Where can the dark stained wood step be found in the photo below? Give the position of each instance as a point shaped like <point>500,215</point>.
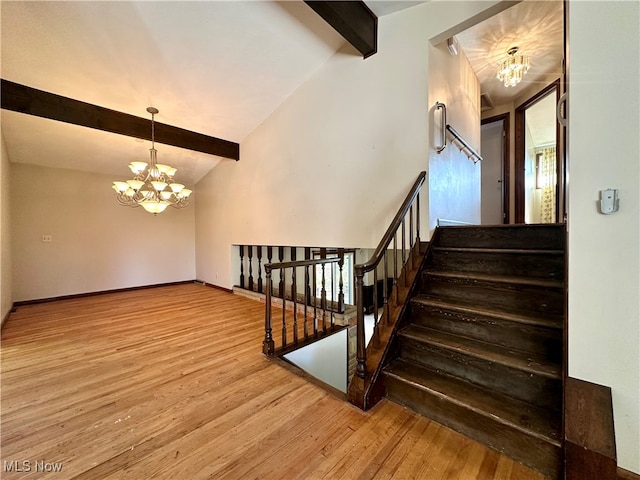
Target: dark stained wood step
<point>501,261</point>
<point>513,251</point>
<point>548,237</point>
<point>524,376</point>
<point>518,331</point>
<point>497,278</point>
<point>544,321</point>
<point>514,293</point>
<point>486,351</point>
<point>526,433</point>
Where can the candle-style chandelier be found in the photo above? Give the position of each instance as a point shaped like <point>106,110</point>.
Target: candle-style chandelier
<point>513,68</point>
<point>152,188</point>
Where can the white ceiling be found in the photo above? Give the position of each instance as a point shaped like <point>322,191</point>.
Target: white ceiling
<point>536,27</point>
<point>219,68</point>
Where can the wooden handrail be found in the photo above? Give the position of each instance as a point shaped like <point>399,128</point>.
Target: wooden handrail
<point>378,255</point>
<point>268,268</point>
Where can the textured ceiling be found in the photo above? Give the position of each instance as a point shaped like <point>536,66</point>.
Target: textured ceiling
<point>536,27</point>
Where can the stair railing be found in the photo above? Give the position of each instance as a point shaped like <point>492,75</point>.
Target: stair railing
<point>249,254</point>
<point>380,255</point>
<point>318,313</point>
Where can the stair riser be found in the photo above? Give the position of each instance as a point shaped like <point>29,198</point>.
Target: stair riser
<point>511,335</point>
<point>543,237</point>
<point>524,448</point>
<point>538,266</point>
<point>535,389</point>
<point>523,298</point>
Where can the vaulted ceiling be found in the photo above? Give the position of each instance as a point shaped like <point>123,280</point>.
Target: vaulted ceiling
<point>218,68</point>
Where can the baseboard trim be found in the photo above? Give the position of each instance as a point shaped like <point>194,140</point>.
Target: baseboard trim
<point>211,285</point>
<point>93,294</point>
<point>627,475</point>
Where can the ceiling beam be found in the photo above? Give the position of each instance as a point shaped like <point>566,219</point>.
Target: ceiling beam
<point>23,99</point>
<point>351,19</point>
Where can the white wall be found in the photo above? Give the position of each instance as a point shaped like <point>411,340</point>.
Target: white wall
<point>333,163</point>
<point>454,179</point>
<point>6,284</point>
<point>604,251</point>
<point>97,244</point>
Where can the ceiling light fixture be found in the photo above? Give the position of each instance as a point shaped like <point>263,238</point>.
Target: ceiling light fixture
<point>513,68</point>
<point>152,188</point>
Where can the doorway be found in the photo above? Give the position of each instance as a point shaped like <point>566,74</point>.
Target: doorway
<point>537,160</point>
<point>494,138</point>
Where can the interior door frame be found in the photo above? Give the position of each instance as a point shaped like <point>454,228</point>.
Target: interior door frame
<point>506,161</point>
<point>520,151</point>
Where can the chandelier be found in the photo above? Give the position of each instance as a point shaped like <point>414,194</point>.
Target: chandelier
<point>152,188</point>
<point>513,68</point>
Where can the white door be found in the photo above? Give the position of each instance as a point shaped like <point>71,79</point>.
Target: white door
<point>492,141</point>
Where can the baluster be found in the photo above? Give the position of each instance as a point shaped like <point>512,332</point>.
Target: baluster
<point>385,293</point>
<point>404,259</point>
<point>284,313</point>
<point>241,266</point>
<point>411,235</point>
<point>268,344</point>
<point>323,299</point>
<point>307,290</point>
<point>250,249</point>
<point>307,278</point>
<point>395,267</point>
<point>315,301</point>
<point>341,281</point>
<point>294,296</point>
<point>361,351</point>
<point>333,297</point>
<point>375,303</point>
<point>418,220</point>
<point>259,248</point>
<point>281,282</point>
<point>269,255</point>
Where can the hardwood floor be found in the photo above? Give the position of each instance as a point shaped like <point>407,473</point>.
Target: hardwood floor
<point>171,383</point>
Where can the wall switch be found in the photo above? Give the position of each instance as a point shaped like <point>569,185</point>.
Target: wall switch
<point>47,238</point>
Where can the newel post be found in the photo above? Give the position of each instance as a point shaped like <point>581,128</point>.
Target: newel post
<point>361,351</point>
<point>268,347</point>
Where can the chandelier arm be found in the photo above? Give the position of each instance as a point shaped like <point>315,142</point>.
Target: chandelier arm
<point>151,186</point>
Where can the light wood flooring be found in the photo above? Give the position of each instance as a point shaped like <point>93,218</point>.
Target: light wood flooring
<point>170,383</point>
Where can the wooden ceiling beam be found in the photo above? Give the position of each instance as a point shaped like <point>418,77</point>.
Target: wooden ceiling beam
<point>351,19</point>
<point>24,99</point>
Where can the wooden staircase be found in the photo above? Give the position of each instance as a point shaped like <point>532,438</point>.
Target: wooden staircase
<point>480,345</point>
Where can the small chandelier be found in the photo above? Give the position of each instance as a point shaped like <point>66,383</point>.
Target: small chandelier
<point>513,68</point>
<point>152,188</point>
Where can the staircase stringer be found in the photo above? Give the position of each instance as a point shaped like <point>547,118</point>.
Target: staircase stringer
<point>366,393</point>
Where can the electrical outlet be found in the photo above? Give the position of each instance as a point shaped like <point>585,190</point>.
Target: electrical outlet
<point>47,238</point>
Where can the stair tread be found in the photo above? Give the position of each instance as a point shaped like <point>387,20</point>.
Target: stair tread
<point>499,250</point>
<point>525,361</point>
<point>472,308</point>
<point>496,278</point>
<point>531,420</point>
